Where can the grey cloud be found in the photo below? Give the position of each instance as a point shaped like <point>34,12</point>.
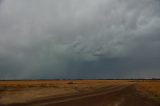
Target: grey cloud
<point>79,39</point>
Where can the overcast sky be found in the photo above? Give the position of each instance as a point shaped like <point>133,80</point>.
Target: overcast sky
<point>79,39</point>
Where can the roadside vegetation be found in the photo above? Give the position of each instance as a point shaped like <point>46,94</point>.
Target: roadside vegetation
<point>150,88</point>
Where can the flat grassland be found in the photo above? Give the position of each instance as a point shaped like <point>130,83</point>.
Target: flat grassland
<point>25,91</point>
<point>150,88</point>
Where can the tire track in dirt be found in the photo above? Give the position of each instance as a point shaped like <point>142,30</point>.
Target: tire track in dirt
<point>125,95</point>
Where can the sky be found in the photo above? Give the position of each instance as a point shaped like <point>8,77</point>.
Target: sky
<point>84,39</point>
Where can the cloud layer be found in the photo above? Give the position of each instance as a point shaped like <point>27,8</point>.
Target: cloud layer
<point>79,39</point>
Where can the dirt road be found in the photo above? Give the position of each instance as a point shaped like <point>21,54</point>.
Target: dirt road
<point>111,96</point>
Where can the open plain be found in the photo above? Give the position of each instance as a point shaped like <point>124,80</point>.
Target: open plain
<point>80,93</point>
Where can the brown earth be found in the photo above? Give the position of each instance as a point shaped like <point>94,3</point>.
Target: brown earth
<point>149,87</point>
<point>24,91</point>
<point>111,96</point>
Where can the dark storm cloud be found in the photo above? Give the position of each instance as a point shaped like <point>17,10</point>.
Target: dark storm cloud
<point>79,39</point>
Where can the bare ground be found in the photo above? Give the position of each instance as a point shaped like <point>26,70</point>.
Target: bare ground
<point>124,95</point>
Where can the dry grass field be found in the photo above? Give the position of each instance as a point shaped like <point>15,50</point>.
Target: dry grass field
<point>25,91</point>
<point>150,88</point>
